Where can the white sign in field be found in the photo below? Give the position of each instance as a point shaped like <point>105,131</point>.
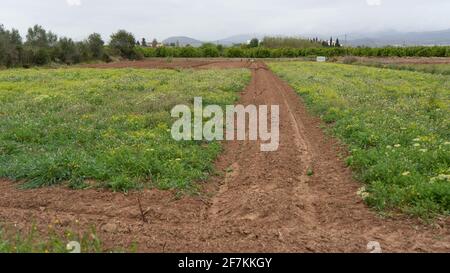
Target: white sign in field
<point>321,59</point>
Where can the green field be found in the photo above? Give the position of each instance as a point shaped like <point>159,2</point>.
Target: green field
<point>395,123</point>
<point>31,241</point>
<point>442,69</point>
<point>108,128</point>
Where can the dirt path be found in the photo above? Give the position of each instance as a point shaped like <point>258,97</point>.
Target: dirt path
<point>262,202</point>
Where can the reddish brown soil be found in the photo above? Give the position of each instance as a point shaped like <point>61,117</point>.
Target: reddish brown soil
<point>261,202</point>
<point>176,63</point>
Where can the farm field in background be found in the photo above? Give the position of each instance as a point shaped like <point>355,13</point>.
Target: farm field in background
<point>442,69</point>
<point>439,66</point>
<point>86,154</point>
<point>110,128</point>
<point>395,123</point>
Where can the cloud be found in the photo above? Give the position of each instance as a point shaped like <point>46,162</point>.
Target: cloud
<point>373,2</point>
<point>73,3</point>
<point>164,18</point>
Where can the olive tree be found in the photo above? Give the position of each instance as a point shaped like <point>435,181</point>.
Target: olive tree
<point>124,44</point>
<point>96,45</point>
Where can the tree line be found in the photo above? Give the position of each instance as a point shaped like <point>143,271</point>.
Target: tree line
<point>295,42</point>
<point>264,52</point>
<point>42,47</point>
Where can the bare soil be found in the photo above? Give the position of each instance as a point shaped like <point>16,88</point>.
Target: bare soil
<point>177,63</point>
<point>260,202</point>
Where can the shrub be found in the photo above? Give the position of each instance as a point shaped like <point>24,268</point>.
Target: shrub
<point>163,52</point>
<point>124,44</point>
<point>10,47</point>
<point>40,56</point>
<point>147,52</point>
<point>349,60</point>
<point>189,52</point>
<point>261,53</point>
<point>253,43</point>
<point>67,51</point>
<point>234,52</point>
<point>289,42</point>
<point>96,46</point>
<point>210,51</point>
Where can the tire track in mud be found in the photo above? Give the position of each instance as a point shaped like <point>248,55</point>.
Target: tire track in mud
<point>261,202</point>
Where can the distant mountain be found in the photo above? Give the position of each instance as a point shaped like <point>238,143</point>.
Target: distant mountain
<point>400,38</point>
<point>182,41</point>
<point>238,39</point>
<point>375,39</point>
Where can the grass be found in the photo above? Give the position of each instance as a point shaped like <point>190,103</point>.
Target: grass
<point>442,69</point>
<point>112,127</point>
<point>33,241</point>
<point>396,125</point>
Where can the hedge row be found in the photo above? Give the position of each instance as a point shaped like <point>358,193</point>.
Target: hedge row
<point>261,52</point>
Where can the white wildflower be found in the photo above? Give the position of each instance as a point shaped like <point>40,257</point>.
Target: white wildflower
<point>362,192</point>
<point>441,177</point>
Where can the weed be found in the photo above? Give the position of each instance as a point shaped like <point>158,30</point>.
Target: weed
<point>396,124</point>
<point>110,126</point>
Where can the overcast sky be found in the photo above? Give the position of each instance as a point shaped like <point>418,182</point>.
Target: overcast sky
<point>214,19</point>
